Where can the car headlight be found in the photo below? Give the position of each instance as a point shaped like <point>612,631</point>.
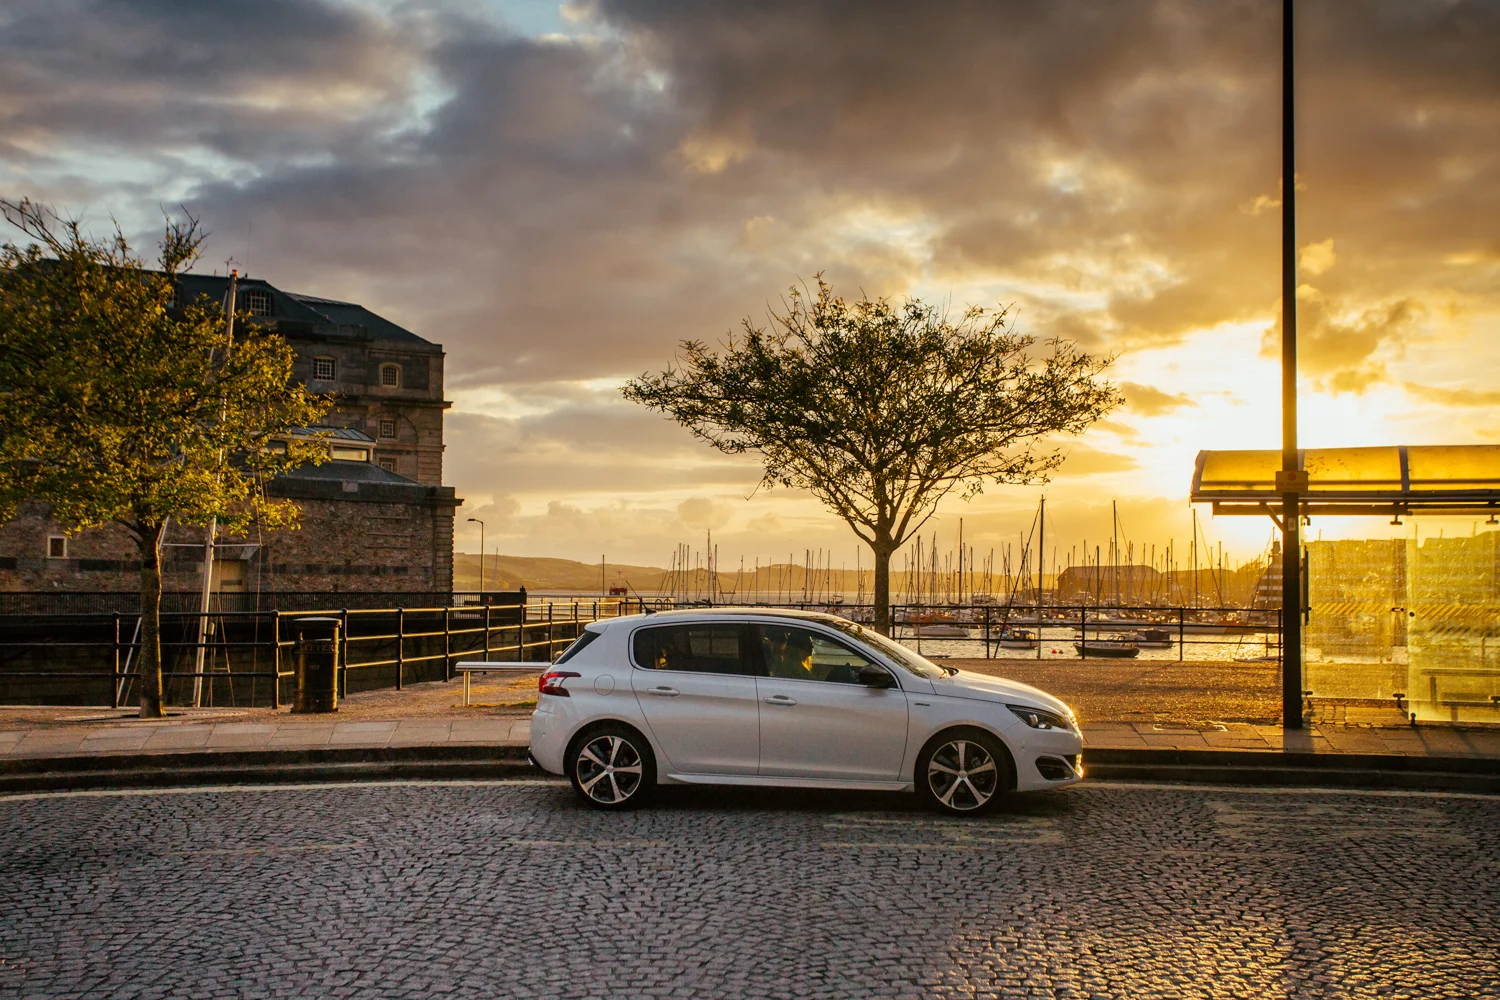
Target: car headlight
<point>1038,718</point>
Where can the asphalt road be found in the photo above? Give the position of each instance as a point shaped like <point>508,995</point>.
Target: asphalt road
<point>513,890</point>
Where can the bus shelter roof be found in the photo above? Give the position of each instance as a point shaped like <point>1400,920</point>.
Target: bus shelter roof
<point>1391,479</point>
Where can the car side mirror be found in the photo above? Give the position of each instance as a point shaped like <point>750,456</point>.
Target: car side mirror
<point>874,677</point>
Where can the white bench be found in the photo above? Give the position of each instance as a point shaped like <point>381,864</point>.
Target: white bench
<point>471,667</point>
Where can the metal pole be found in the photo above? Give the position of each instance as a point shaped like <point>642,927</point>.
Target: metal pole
<point>114,681</point>
<point>1291,479</point>
<point>486,631</point>
<point>1041,541</point>
<point>213,522</point>
<point>481,555</point>
<point>275,660</point>
<point>447,645</point>
<point>549,632</point>
<point>400,645</point>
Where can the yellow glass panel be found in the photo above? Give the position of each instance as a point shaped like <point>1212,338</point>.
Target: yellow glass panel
<point>1466,467</point>
<point>1353,468</point>
<point>1239,470</point>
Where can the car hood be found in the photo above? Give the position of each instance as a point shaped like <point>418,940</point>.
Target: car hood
<point>983,687</point>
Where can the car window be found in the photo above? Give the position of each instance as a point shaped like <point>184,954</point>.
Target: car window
<point>899,654</point>
<point>792,653</point>
<point>578,645</point>
<point>702,649</point>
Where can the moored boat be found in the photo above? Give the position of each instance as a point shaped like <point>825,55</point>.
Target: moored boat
<point>1116,647</point>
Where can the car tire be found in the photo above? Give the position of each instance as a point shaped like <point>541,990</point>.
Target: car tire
<point>964,772</point>
<point>611,766</point>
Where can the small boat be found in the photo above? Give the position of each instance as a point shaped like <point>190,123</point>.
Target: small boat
<point>940,630</point>
<point>1118,647</point>
<point>1016,638</point>
<point>1153,638</point>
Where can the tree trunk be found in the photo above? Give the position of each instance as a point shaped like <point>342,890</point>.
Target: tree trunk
<point>882,551</point>
<point>148,661</point>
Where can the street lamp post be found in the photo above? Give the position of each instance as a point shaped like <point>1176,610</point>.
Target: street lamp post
<point>481,556</point>
<point>1291,481</point>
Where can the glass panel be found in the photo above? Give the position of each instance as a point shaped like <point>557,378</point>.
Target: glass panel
<point>1239,470</point>
<point>793,653</point>
<point>1453,608</point>
<point>1353,468</point>
<point>1354,642</point>
<point>701,649</point>
<point>1470,467</point>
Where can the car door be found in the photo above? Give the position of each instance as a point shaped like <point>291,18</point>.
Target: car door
<point>817,720</point>
<point>695,685</point>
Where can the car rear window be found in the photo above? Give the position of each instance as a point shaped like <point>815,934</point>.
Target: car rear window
<point>578,646</point>
<point>702,649</point>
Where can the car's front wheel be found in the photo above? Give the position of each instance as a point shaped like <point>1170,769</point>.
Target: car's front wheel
<point>612,767</point>
<point>964,772</point>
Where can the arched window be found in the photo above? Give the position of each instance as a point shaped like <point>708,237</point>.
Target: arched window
<point>390,376</point>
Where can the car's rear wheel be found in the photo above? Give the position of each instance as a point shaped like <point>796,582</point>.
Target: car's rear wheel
<point>612,767</point>
<point>964,772</point>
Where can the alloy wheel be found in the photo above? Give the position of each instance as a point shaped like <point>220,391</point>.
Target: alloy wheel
<point>962,775</point>
<point>609,769</point>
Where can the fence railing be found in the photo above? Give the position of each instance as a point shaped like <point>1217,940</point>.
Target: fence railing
<point>378,647</point>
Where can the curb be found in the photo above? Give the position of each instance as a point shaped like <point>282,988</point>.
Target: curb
<point>478,762</point>
<point>1297,768</point>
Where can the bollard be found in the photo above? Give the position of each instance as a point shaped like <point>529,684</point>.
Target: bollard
<point>317,664</point>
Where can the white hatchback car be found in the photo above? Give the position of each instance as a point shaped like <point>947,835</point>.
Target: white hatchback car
<point>753,696</point>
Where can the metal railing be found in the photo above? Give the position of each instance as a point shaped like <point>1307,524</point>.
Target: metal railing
<point>104,648</point>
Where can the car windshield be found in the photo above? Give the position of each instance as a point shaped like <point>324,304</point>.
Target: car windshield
<point>897,653</point>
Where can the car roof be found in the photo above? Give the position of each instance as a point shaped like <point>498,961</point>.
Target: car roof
<point>720,614</point>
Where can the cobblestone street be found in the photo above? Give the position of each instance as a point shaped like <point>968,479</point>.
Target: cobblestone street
<point>510,889</point>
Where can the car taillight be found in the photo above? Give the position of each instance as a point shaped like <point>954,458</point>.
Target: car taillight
<point>552,682</point>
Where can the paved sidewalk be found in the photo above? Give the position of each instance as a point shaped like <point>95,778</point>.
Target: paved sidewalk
<point>1319,738</point>
<point>303,732</point>
<point>272,734</point>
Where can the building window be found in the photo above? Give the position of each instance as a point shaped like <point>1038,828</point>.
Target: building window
<point>388,428</point>
<point>325,369</point>
<point>388,463</point>
<point>343,453</point>
<point>390,376</point>
<point>257,302</point>
<point>57,546</point>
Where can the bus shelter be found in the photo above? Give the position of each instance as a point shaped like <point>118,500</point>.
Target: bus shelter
<point>1413,622</point>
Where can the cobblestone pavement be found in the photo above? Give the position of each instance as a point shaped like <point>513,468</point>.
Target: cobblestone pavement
<point>511,889</point>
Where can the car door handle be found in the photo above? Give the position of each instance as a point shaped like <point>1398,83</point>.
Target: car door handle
<point>665,692</point>
<point>781,699</point>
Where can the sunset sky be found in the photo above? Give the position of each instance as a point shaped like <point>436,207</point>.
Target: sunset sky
<point>559,194</point>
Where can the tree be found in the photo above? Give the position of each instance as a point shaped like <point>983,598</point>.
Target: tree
<point>881,411</point>
<point>118,406</point>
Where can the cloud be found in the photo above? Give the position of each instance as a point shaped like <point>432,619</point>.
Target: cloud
<point>562,210</point>
<point>1315,258</point>
<point>1454,397</point>
<point>1150,401</point>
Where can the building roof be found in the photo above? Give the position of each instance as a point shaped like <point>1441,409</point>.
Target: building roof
<point>329,316</point>
<point>358,481</point>
<point>1390,479</point>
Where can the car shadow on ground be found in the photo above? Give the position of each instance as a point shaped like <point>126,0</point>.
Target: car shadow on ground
<point>741,800</point>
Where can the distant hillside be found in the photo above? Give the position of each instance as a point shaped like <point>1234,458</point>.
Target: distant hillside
<point>535,573</point>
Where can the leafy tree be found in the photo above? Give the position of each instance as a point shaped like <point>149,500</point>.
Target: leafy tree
<point>118,406</point>
<point>881,411</point>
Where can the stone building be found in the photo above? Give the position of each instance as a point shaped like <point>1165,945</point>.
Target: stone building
<point>376,518</point>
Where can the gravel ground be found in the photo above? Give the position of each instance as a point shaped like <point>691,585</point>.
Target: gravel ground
<point>516,890</point>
